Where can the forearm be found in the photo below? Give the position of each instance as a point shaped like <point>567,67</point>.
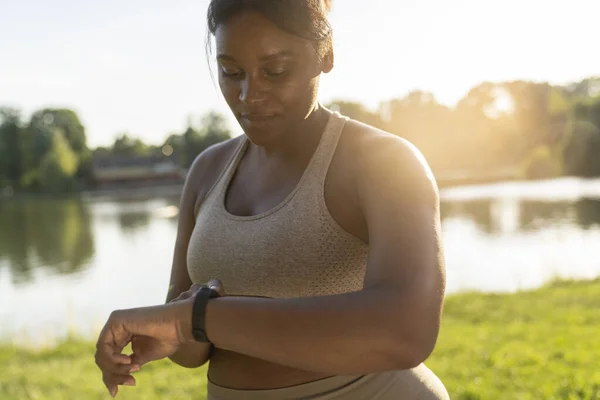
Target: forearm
<point>343,334</point>
<point>192,355</point>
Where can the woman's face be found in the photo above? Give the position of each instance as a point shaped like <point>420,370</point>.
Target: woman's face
<point>268,77</point>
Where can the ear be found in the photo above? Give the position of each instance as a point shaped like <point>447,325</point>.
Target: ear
<point>328,62</point>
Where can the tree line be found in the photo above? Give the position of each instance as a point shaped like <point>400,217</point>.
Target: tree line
<point>520,128</point>
<point>49,152</point>
<point>536,130</point>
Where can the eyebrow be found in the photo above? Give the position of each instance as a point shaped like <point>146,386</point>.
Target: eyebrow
<point>268,57</point>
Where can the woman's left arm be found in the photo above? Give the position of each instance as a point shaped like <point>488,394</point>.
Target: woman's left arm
<point>394,322</point>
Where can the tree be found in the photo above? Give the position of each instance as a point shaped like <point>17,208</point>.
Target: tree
<point>10,156</point>
<point>185,148</point>
<point>67,121</point>
<point>39,137</point>
<point>176,145</point>
<point>126,145</point>
<point>582,146</point>
<point>58,165</point>
<point>584,89</point>
<point>213,130</point>
<point>420,119</point>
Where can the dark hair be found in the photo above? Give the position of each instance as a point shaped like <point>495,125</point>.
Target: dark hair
<point>304,18</point>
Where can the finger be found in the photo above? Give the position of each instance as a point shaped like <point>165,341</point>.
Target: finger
<point>105,357</point>
<point>113,380</point>
<point>189,293</point>
<point>141,360</point>
<point>182,296</point>
<point>192,290</point>
<point>120,369</point>
<point>121,359</point>
<point>123,369</point>
<point>217,285</point>
<point>112,389</point>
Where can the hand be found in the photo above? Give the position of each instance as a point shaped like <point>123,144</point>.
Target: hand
<point>154,332</point>
<point>167,325</point>
<point>214,284</point>
<point>146,347</point>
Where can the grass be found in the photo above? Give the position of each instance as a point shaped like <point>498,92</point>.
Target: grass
<point>541,344</point>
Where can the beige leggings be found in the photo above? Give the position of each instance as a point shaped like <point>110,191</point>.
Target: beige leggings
<point>414,384</point>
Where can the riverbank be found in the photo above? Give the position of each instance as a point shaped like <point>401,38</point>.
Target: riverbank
<point>540,344</point>
<point>171,190</point>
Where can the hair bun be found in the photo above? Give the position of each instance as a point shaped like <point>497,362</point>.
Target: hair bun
<point>327,5</point>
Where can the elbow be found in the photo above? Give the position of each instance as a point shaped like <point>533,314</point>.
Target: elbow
<point>410,355</point>
<point>411,349</point>
<point>419,354</point>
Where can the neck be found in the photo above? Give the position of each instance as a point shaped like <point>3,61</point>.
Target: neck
<point>300,142</point>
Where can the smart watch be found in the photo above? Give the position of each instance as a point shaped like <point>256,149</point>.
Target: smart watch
<point>199,313</point>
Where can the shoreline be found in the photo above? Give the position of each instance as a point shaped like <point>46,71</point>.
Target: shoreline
<point>169,190</point>
<point>139,192</point>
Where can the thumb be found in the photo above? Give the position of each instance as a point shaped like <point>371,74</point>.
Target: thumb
<point>140,359</point>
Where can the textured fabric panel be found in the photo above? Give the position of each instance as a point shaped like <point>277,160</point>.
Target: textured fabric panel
<point>414,384</point>
<point>293,250</point>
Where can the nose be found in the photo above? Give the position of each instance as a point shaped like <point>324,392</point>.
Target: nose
<point>252,91</point>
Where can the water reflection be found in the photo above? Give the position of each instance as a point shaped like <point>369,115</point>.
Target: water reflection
<point>132,221</point>
<point>52,234</point>
<point>478,211</point>
<point>495,216</point>
<point>134,216</point>
<point>588,213</point>
<point>57,235</point>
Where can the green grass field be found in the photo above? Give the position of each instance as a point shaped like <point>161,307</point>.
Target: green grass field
<point>543,344</point>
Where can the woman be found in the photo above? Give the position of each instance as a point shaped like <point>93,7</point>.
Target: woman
<point>325,232</point>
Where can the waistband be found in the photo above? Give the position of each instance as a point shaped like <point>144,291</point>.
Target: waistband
<point>306,390</point>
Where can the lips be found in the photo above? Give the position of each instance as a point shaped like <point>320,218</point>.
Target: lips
<point>255,117</point>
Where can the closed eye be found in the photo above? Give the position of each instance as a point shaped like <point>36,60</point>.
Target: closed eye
<point>275,74</point>
<point>233,74</point>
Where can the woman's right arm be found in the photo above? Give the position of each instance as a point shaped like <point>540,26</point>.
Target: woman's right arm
<point>195,354</point>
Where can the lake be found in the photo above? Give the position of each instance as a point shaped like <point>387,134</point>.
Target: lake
<point>66,264</point>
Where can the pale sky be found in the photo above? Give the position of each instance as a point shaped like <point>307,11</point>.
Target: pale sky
<point>139,66</point>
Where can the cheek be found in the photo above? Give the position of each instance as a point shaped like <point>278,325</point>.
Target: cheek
<point>302,93</point>
<point>230,90</point>
<point>298,94</point>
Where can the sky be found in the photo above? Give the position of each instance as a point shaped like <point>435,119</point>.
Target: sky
<point>140,67</point>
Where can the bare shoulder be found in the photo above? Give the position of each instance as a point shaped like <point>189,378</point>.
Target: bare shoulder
<point>385,161</point>
<point>208,166</point>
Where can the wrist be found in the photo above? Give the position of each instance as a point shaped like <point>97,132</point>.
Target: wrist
<point>199,313</point>
<point>184,320</point>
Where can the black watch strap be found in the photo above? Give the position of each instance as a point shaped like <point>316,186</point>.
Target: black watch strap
<point>199,313</point>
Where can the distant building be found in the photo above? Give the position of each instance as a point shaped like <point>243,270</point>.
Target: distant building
<point>121,171</point>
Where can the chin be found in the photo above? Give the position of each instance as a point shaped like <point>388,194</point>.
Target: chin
<point>260,138</point>
<point>260,134</point>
